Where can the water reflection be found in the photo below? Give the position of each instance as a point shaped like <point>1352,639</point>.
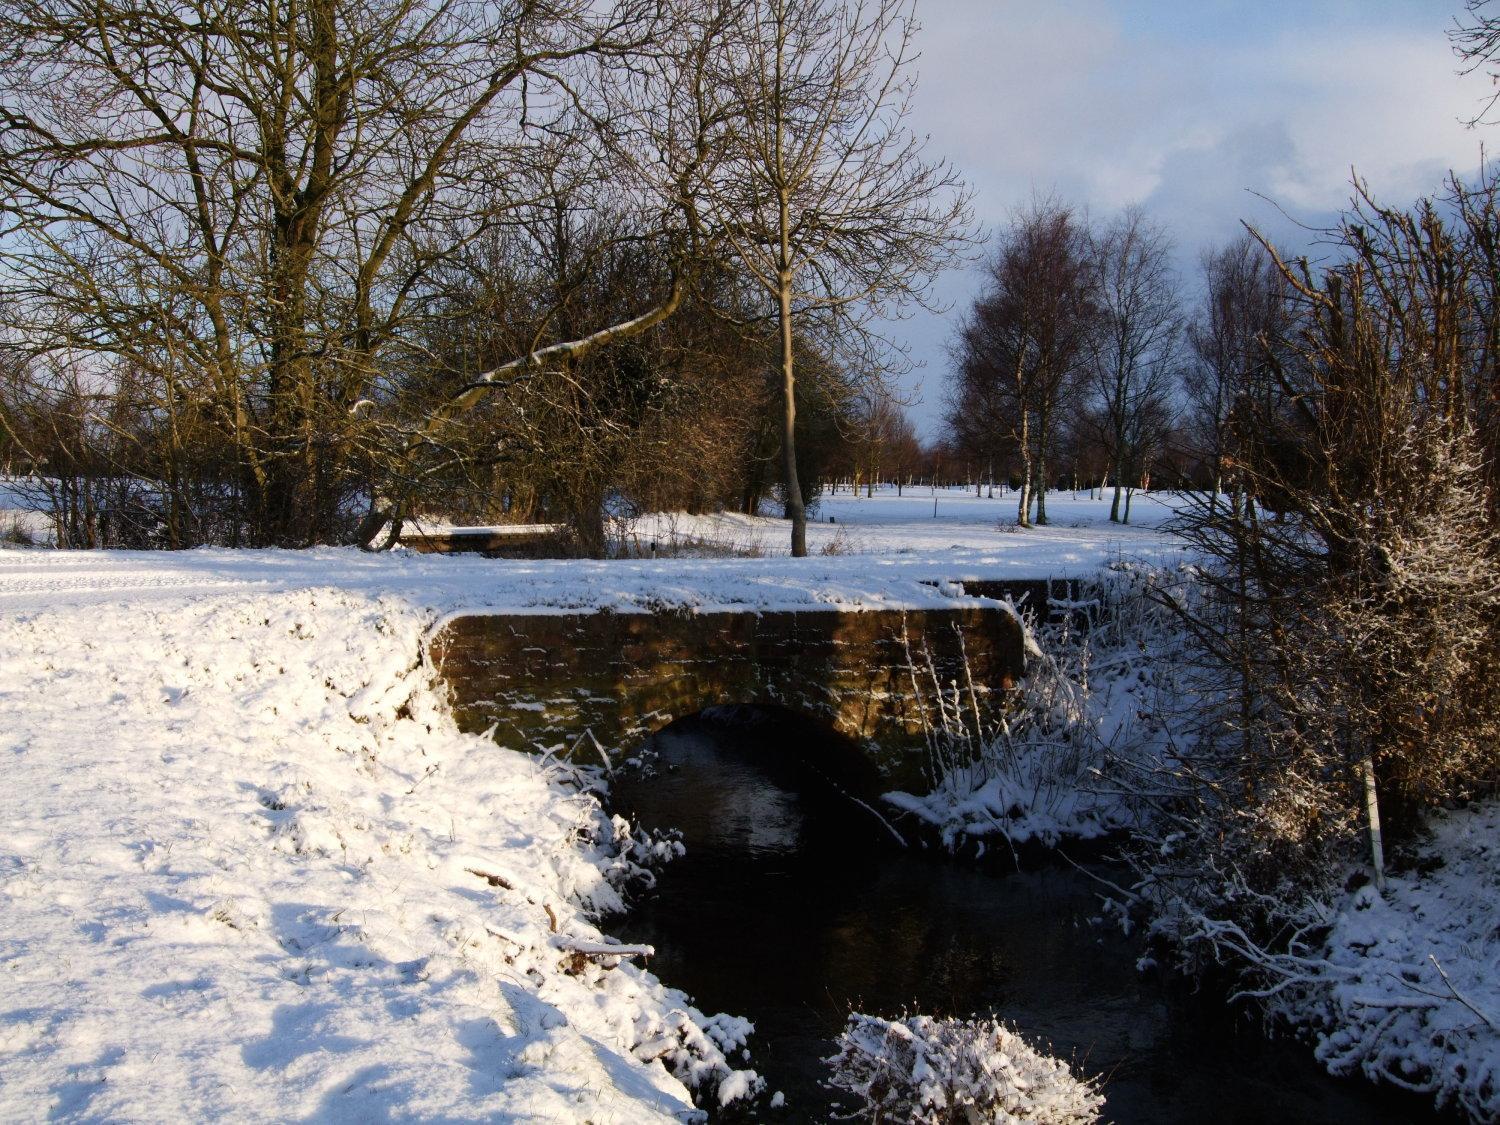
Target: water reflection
<point>792,906</point>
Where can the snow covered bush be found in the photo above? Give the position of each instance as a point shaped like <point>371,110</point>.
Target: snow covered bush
<point>1343,664</point>
<point>1043,767</point>
<point>955,1072</point>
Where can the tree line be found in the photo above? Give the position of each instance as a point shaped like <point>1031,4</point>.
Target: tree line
<point>1084,362</point>
<point>282,273</point>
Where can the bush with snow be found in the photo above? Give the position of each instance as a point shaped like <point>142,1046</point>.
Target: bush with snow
<point>960,1071</point>
<point>1045,767</point>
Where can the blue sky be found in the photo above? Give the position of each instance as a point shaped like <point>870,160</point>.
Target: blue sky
<point>1187,109</point>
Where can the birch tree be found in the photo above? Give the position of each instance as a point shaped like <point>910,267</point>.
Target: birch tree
<point>1023,346</point>
<point>1133,347</point>
<point>829,203</point>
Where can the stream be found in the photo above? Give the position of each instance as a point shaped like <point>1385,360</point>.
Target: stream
<point>793,905</point>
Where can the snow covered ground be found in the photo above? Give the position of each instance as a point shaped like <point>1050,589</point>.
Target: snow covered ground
<point>1408,991</point>
<point>1079,537</point>
<point>249,868</point>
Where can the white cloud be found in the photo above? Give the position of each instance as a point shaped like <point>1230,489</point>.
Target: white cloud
<point>1189,106</point>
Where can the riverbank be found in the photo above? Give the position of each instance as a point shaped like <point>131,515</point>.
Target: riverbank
<point>1400,986</point>
<point>250,869</point>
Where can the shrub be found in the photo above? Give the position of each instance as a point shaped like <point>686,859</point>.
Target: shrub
<point>936,1071</point>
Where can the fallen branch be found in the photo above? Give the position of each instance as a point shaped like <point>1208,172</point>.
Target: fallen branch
<point>586,948</point>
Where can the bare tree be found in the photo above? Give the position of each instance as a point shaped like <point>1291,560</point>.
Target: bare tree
<point>1133,348</point>
<point>1021,351</point>
<point>1242,324</point>
<point>239,202</point>
<point>1476,40</point>
<point>829,203</point>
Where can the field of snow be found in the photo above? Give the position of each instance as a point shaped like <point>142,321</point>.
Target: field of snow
<point>1079,537</point>
<point>249,868</point>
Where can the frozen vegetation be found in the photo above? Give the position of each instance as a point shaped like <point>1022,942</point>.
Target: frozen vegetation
<point>1048,768</point>
<point>1402,986</point>
<point>956,1072</point>
<point>1407,990</point>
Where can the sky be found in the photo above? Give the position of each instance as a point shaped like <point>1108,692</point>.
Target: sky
<point>1188,108</point>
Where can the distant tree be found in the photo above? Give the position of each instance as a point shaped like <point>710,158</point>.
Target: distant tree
<point>882,439</point>
<point>1133,347</point>
<point>980,418</point>
<point>1023,348</point>
<point>829,203</point>
<point>1233,341</point>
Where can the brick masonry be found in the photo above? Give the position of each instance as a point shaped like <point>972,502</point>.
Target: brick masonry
<point>546,679</point>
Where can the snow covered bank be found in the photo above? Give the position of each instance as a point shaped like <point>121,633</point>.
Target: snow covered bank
<point>248,868</point>
<point>1406,988</point>
<point>1400,987</point>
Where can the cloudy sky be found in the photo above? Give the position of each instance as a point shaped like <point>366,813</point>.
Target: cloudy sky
<point>1186,107</point>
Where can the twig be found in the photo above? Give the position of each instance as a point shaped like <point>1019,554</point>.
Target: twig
<point>1459,996</point>
<point>1130,896</point>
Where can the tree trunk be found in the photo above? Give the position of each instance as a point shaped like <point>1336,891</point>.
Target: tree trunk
<point>1114,508</point>
<point>1023,506</point>
<point>1039,486</point>
<point>796,511</point>
<point>1372,815</point>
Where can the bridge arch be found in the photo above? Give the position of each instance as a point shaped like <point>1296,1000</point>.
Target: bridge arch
<point>543,679</point>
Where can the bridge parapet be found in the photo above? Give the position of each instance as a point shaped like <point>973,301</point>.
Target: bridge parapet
<point>543,679</point>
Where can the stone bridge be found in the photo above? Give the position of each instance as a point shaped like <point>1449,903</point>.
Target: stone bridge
<point>866,672</point>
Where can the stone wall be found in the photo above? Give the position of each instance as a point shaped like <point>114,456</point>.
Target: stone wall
<point>547,679</point>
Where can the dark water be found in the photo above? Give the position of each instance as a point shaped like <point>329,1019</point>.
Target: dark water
<point>791,909</point>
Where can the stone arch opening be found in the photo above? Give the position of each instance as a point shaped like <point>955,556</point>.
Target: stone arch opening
<point>758,749</point>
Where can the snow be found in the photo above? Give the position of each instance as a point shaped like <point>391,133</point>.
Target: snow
<point>1079,539</point>
<point>922,1069</point>
<point>1096,669</point>
<point>1408,987</point>
<point>249,867</point>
